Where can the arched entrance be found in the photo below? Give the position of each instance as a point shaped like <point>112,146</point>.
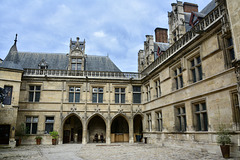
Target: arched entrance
<point>119,130</point>
<point>138,128</point>
<point>72,130</point>
<point>96,126</point>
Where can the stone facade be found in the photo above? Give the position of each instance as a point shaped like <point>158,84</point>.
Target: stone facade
<point>178,99</point>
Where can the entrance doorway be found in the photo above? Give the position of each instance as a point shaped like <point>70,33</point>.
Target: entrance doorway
<point>119,130</point>
<point>138,129</point>
<point>96,126</point>
<point>4,134</point>
<point>72,130</point>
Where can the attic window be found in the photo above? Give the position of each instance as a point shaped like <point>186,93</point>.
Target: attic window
<point>43,64</point>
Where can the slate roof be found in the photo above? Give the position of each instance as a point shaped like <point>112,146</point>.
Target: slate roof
<point>163,47</point>
<point>59,61</point>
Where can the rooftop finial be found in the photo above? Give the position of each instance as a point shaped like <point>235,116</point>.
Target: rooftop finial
<point>15,39</point>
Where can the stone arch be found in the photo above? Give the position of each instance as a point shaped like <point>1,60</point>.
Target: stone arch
<point>96,124</point>
<point>138,127</point>
<point>72,128</point>
<point>120,128</point>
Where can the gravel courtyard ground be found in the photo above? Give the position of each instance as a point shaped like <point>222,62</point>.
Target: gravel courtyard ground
<point>115,151</point>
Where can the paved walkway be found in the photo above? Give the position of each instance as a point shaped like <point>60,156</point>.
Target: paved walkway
<point>115,151</point>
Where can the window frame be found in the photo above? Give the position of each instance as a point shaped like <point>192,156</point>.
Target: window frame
<point>34,92</point>
<point>45,131</point>
<point>149,122</point>
<point>74,92</point>
<point>148,92</point>
<point>8,97</point>
<point>121,94</point>
<point>181,118</point>
<point>178,77</point>
<point>98,94</point>
<point>195,67</point>
<point>137,93</point>
<point>31,125</point>
<point>159,120</point>
<point>158,88</point>
<point>199,119</point>
<point>236,109</point>
<point>76,63</point>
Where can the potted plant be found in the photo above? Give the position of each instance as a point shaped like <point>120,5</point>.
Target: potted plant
<point>38,140</point>
<point>54,135</point>
<point>224,139</point>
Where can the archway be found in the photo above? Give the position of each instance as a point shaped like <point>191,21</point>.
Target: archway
<point>72,130</point>
<point>96,126</point>
<point>119,130</point>
<point>137,128</point>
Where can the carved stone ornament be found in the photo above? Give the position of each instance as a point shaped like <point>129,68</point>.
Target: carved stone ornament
<point>73,110</point>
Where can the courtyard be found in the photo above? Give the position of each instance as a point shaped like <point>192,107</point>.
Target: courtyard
<point>102,151</point>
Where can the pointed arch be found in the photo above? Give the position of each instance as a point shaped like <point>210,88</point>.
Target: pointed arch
<point>120,114</point>
<point>96,114</point>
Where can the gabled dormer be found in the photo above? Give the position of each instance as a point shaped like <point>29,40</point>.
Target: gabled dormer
<point>76,55</point>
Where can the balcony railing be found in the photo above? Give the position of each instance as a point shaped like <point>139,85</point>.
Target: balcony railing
<point>211,18</point>
<point>81,74</point>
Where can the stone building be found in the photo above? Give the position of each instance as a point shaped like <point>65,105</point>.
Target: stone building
<point>185,88</point>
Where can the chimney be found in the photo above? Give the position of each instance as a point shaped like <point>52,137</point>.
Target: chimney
<point>161,35</point>
<point>190,7</point>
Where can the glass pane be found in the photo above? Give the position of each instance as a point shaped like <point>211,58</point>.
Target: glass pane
<point>48,128</point>
<point>35,119</point>
<point>136,98</point>
<point>100,98</point>
<point>77,89</point>
<point>230,42</point>
<point>8,98</point>
<point>94,97</point>
<point>30,97</point>
<point>197,107</point>
<point>71,89</point>
<point>122,90</point>
<point>181,81</point>
<point>116,89</point>
<point>38,88</point>
<point>198,60</point>
<point>31,87</point>
<point>79,66</point>
<point>116,98</point>
<point>183,110</point>
<point>198,122</point>
<point>180,69</point>
<point>28,127</point>
<point>179,110</point>
<point>204,106</point>
<point>192,63</point>
<point>232,55</point>
<point>77,97</point>
<point>95,89</point>
<point>175,72</point>
<point>205,121</point>
<point>100,90</point>
<point>200,72</point>
<point>122,98</point>
<point>71,97</point>
<point>49,119</point>
<point>73,66</point>
<point>180,123</point>
<point>34,128</point>
<point>136,89</point>
<point>73,60</point>
<point>28,119</point>
<point>185,123</point>
<point>176,82</point>
<point>37,96</point>
<point>194,75</point>
<point>79,60</point>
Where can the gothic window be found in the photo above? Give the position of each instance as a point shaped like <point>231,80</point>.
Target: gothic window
<point>49,122</point>
<point>148,93</point>
<point>119,95</point>
<point>97,95</point>
<point>136,94</point>
<point>31,125</point>
<point>43,64</point>
<point>201,117</point>
<point>196,69</point>
<point>149,120</point>
<point>178,78</point>
<point>34,93</point>
<point>74,94</point>
<point>236,111</point>
<point>76,64</point>
<point>8,93</point>
<point>181,123</point>
<point>159,121</point>
<point>229,51</point>
<point>158,88</point>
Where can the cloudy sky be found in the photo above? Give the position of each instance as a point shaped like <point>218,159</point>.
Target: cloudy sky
<point>110,27</point>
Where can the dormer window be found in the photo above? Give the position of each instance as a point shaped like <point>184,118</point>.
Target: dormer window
<point>43,64</point>
<point>76,64</point>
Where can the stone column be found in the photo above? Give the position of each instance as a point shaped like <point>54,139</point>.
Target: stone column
<point>108,131</point>
<point>131,138</point>
<point>84,136</point>
<point>237,71</point>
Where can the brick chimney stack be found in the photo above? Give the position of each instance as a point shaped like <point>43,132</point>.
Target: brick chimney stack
<point>161,35</point>
<point>190,7</point>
